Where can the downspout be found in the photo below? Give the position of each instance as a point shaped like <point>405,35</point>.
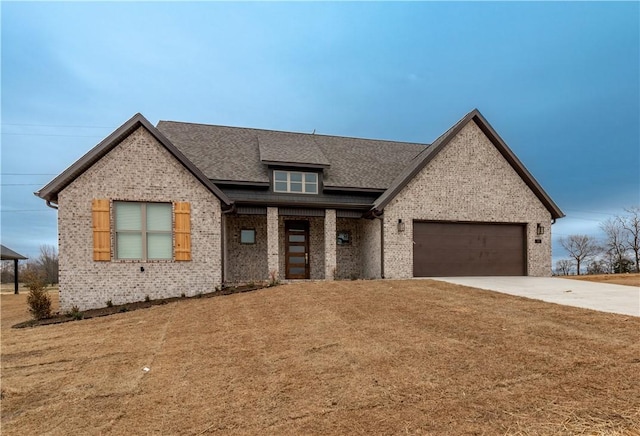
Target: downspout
<point>51,205</point>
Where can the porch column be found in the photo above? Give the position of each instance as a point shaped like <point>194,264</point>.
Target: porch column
<point>330,244</point>
<point>273,262</point>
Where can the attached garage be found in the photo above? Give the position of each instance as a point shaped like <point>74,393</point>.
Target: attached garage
<point>442,249</point>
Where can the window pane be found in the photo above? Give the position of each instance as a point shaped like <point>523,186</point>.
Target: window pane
<point>296,177</point>
<point>281,187</point>
<point>129,245</point>
<point>311,188</point>
<point>128,216</point>
<point>280,176</point>
<point>311,178</point>
<point>296,187</point>
<point>159,216</point>
<point>159,246</point>
<point>247,236</point>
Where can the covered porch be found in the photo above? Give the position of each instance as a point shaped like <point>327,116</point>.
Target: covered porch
<point>283,243</point>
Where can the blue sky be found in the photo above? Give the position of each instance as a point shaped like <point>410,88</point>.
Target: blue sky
<point>560,82</point>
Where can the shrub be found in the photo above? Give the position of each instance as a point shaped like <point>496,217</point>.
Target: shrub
<point>39,303</point>
<point>109,303</point>
<point>75,313</point>
<point>147,298</point>
<point>182,295</point>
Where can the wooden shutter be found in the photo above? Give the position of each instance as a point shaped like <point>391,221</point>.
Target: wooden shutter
<point>182,231</point>
<point>101,230</point>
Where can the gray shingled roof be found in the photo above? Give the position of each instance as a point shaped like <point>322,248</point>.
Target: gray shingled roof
<point>291,148</point>
<point>8,254</point>
<point>234,154</point>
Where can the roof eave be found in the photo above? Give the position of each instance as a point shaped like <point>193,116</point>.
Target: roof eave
<point>50,191</point>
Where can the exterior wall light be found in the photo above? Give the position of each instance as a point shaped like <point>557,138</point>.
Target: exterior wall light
<point>540,229</point>
<point>400,226</point>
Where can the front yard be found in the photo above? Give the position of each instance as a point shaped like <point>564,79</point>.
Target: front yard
<point>362,357</point>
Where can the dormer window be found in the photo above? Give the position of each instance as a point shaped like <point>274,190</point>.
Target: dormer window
<point>295,182</point>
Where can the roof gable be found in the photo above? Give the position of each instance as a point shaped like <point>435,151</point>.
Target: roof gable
<point>420,161</point>
<point>50,191</point>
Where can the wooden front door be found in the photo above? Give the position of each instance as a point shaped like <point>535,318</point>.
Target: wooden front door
<point>297,249</point>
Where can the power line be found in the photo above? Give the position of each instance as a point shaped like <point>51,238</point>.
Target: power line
<point>58,125</point>
<point>28,174</point>
<point>47,134</point>
<point>20,184</point>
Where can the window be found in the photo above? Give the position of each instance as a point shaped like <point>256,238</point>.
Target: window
<point>295,182</point>
<point>344,238</point>
<point>143,231</point>
<point>248,236</point>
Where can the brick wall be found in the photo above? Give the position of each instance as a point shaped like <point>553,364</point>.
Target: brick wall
<point>138,169</point>
<point>370,246</point>
<point>348,256</point>
<point>246,262</point>
<point>468,180</point>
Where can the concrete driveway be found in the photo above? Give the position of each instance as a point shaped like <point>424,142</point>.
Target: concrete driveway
<point>589,295</point>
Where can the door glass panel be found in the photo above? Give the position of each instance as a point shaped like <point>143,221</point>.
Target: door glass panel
<point>296,238</point>
<point>296,270</point>
<point>296,259</point>
<point>296,249</point>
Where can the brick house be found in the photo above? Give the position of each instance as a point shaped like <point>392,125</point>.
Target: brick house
<point>183,208</point>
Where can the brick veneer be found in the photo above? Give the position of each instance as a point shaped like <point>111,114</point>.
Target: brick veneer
<point>348,263</point>
<point>370,248</point>
<point>138,169</point>
<point>246,262</point>
<point>330,269</point>
<point>469,180</point>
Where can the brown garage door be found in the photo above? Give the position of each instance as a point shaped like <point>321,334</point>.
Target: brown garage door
<point>468,249</point>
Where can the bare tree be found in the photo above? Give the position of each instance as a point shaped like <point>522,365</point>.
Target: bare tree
<point>580,248</point>
<point>631,224</point>
<point>615,243</point>
<point>563,267</point>
<point>48,263</point>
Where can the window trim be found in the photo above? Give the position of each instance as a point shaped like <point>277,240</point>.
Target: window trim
<point>303,182</point>
<point>143,232</point>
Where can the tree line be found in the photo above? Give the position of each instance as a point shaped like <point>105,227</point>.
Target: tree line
<point>45,267</point>
<point>618,252</point>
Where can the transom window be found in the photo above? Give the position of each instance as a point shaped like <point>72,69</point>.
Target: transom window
<point>143,231</point>
<point>295,182</point>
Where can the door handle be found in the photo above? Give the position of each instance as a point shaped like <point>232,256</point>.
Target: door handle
<point>306,258</point>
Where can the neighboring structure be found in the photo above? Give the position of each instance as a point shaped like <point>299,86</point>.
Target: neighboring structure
<point>182,208</point>
<point>8,254</point>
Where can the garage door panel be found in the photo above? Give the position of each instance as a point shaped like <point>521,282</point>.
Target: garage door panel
<point>466,249</point>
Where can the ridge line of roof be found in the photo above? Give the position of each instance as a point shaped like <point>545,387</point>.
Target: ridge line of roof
<point>426,144</point>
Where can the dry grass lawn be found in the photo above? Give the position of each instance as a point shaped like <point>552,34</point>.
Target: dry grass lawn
<point>364,357</point>
<point>616,279</point>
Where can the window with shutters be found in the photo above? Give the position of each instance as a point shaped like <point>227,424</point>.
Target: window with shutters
<point>143,231</point>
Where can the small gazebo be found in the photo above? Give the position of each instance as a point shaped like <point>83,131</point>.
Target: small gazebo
<point>8,254</point>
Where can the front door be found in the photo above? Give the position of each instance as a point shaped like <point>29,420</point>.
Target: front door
<point>297,249</point>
